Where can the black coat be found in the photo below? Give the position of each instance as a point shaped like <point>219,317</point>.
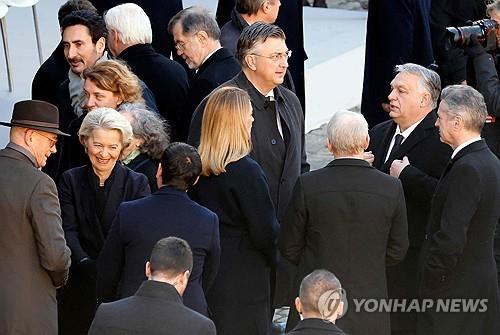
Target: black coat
<point>85,235</point>
<point>49,76</point>
<point>397,32</point>
<point>139,225</point>
<point>148,167</point>
<point>487,82</point>
<point>156,308</point>
<point>159,12</point>
<point>314,326</point>
<point>428,157</point>
<point>166,79</point>
<point>350,219</point>
<point>248,230</point>
<point>457,256</point>
<point>220,67</point>
<point>281,176</point>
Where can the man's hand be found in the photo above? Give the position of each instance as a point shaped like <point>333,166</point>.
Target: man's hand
<point>398,165</point>
<point>368,156</point>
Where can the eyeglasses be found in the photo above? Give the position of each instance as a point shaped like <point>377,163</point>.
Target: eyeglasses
<point>278,56</point>
<point>52,140</point>
<point>181,45</point>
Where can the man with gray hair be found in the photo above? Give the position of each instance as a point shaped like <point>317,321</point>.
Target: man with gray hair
<point>457,255</point>
<point>196,37</point>
<point>320,303</point>
<point>130,38</point>
<point>408,148</point>
<point>349,218</point>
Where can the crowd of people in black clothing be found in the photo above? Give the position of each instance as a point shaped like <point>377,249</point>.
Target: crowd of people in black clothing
<point>166,190</point>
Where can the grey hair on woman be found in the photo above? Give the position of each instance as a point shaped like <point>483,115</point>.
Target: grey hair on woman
<point>105,118</point>
<point>148,126</point>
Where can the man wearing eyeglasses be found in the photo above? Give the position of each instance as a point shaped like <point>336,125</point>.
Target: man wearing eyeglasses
<point>278,128</point>
<point>34,257</point>
<point>196,37</point>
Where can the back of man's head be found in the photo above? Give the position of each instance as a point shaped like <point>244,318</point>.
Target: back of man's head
<point>316,289</point>
<point>170,257</point>
<point>93,21</point>
<point>130,22</point>
<point>73,6</point>
<point>253,35</point>
<point>181,166</point>
<point>347,134</point>
<point>194,19</point>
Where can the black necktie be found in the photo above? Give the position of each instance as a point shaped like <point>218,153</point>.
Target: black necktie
<point>397,142</point>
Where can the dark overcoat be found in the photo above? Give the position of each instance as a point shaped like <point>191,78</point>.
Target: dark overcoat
<point>312,326</point>
<point>148,167</point>
<point>428,157</point>
<point>457,255</point>
<point>220,67</point>
<point>156,308</point>
<point>86,233</point>
<point>350,219</point>
<point>34,258</point>
<point>248,229</point>
<point>139,225</point>
<point>167,80</point>
<point>397,32</point>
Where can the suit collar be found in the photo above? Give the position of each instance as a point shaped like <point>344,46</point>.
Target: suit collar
<point>135,51</point>
<point>169,190</point>
<point>417,135</point>
<point>28,156</point>
<point>474,146</point>
<point>314,323</point>
<point>218,56</point>
<point>157,289</point>
<point>349,162</point>
<point>257,98</point>
<point>238,20</point>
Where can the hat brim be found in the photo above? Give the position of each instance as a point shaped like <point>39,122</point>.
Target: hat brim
<point>46,129</point>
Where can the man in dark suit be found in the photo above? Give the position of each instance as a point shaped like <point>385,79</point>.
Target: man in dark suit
<point>130,38</point>
<point>35,259</point>
<point>397,32</point>
<point>196,37</point>
<point>349,218</point>
<point>55,68</point>
<point>320,303</point>
<point>156,307</point>
<point>457,255</point>
<point>410,137</point>
<point>139,224</point>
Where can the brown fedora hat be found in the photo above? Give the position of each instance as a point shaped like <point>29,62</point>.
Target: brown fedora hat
<point>35,114</point>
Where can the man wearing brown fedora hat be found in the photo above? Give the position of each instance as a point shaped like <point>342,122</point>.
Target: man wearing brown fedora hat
<point>34,257</point>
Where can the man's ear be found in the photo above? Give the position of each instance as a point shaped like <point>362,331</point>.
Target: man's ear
<point>148,270</point>
<point>202,36</point>
<point>425,100</point>
<point>159,179</point>
<point>298,305</point>
<point>100,45</point>
<point>250,61</point>
<point>265,7</point>
<point>329,146</point>
<point>367,142</point>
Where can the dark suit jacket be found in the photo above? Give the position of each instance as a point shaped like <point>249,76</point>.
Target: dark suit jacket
<point>216,70</point>
<point>457,255</point>
<point>166,79</point>
<point>315,327</point>
<point>281,176</point>
<point>49,76</point>
<point>148,167</point>
<point>156,308</point>
<point>139,225</point>
<point>397,32</point>
<point>350,219</point>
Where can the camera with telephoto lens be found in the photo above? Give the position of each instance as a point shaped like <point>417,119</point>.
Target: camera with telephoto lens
<point>485,30</point>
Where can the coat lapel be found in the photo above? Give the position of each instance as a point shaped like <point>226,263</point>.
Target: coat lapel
<point>115,197</point>
<point>89,206</point>
<point>382,148</point>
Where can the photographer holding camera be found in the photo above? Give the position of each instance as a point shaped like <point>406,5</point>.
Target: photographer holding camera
<point>484,74</point>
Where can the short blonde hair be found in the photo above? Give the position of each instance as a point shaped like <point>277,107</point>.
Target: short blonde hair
<point>224,137</point>
<point>115,77</point>
<point>105,118</point>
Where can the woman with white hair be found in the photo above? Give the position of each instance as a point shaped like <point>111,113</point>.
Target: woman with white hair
<point>89,197</point>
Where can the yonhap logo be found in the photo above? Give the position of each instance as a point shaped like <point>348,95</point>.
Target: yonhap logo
<point>332,304</point>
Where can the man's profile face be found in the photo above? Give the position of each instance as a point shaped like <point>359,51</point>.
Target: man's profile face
<point>495,15</point>
<point>271,71</point>
<point>79,50</point>
<point>444,123</point>
<point>405,98</point>
<point>274,6</point>
<point>42,144</point>
<point>188,47</point>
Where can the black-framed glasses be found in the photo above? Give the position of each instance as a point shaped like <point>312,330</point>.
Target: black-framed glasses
<point>277,56</point>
